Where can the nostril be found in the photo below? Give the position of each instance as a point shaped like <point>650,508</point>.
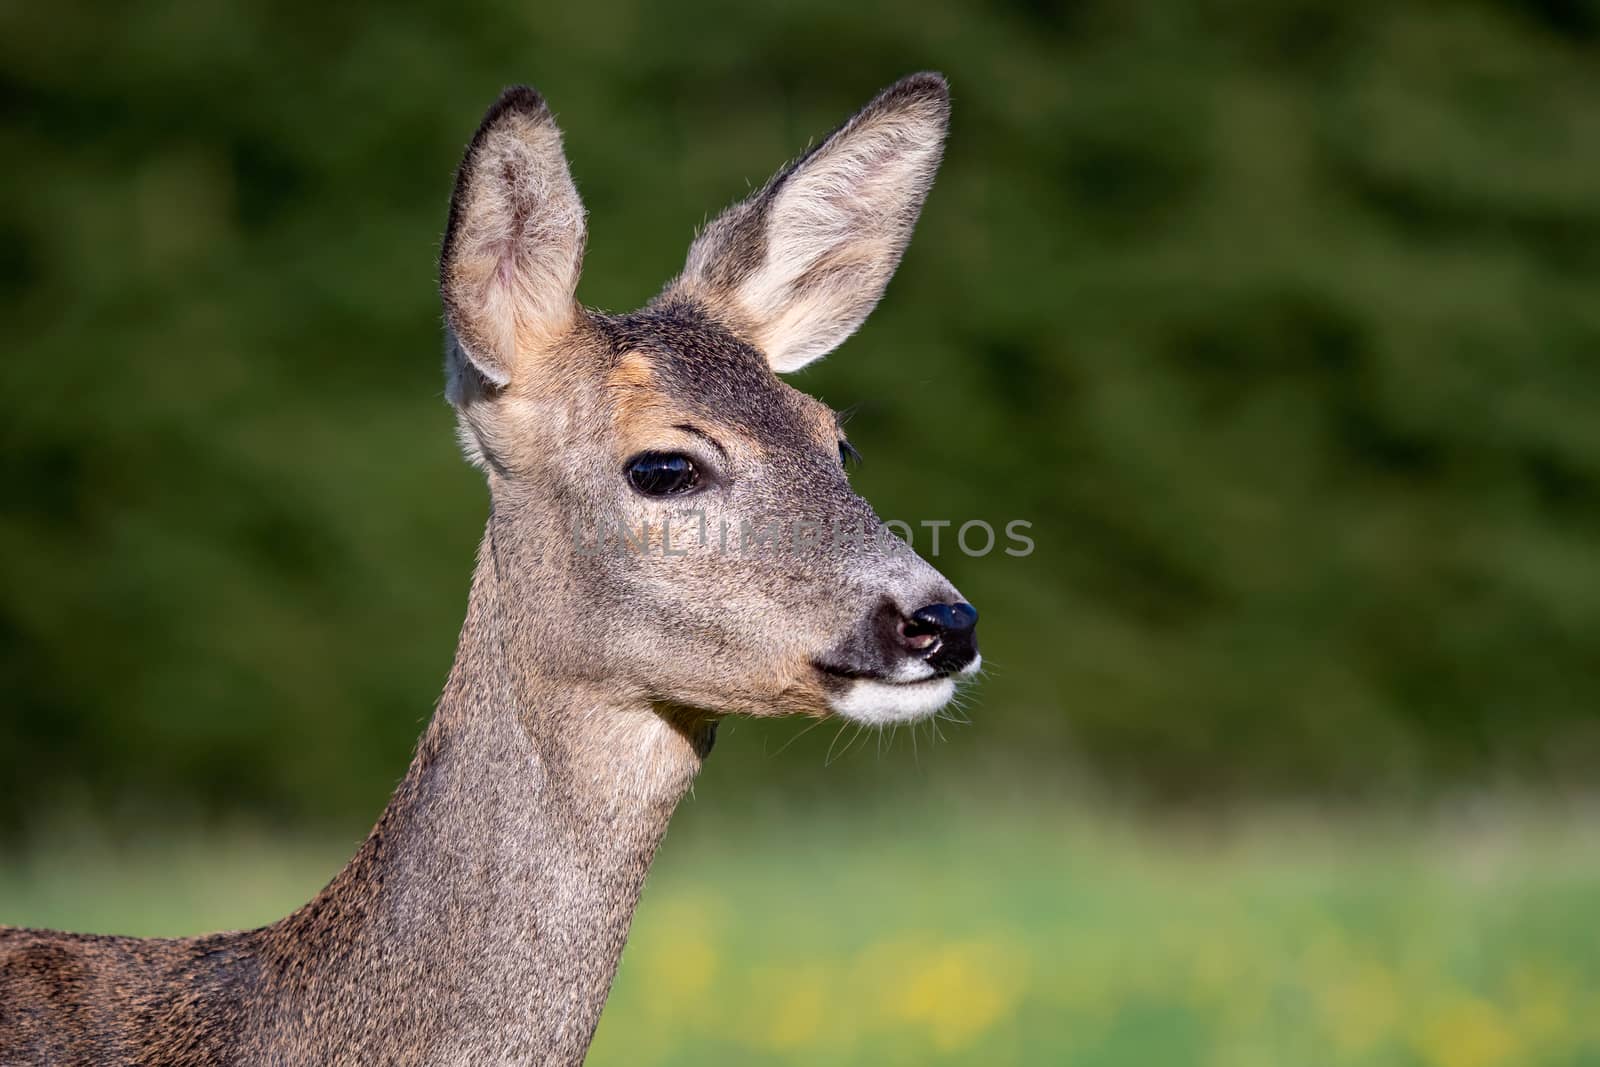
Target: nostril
<point>918,636</point>
<point>936,619</point>
<point>953,643</point>
<point>942,632</point>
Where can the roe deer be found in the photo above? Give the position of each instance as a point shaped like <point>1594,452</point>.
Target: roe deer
<point>482,920</point>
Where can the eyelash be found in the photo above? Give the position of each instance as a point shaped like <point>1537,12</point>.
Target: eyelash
<point>848,456</point>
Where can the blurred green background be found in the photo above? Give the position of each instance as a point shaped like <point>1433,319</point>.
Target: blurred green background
<point>1278,322</point>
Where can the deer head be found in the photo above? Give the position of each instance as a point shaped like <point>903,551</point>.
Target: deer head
<point>483,918</point>
<point>742,574</point>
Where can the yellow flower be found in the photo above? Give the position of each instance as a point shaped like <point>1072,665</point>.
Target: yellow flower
<point>1541,1003</point>
<point>1361,1008</point>
<point>1465,1031</point>
<point>679,961</point>
<point>961,990</point>
<point>798,1009</point>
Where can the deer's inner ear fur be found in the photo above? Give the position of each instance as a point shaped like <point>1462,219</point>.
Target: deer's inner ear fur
<point>513,247</point>
<point>800,264</point>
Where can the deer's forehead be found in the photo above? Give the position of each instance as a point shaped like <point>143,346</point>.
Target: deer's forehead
<point>673,368</point>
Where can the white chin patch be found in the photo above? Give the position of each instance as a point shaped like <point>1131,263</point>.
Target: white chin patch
<point>869,701</point>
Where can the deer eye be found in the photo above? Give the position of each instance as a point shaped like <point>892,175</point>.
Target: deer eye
<point>663,473</point>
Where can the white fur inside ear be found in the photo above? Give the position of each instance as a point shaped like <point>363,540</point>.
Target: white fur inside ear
<point>800,265</point>
<point>513,256</point>
<point>835,235</point>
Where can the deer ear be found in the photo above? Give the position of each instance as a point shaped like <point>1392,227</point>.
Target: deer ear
<point>514,243</point>
<point>799,265</point>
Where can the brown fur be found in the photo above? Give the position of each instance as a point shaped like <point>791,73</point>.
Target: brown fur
<point>482,920</point>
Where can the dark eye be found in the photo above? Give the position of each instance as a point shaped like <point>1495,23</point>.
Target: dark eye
<point>663,473</point>
<point>848,456</point>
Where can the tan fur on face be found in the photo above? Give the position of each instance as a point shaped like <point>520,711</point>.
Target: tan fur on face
<point>642,415</point>
<point>824,420</point>
<point>633,372</point>
<point>646,416</point>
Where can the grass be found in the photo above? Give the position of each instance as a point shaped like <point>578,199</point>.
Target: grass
<point>927,935</point>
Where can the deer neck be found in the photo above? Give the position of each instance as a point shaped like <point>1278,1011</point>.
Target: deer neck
<point>484,917</point>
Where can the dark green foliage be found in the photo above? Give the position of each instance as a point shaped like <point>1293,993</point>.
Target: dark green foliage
<point>1280,323</point>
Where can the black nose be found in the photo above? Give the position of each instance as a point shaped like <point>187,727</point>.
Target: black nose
<point>944,634</point>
